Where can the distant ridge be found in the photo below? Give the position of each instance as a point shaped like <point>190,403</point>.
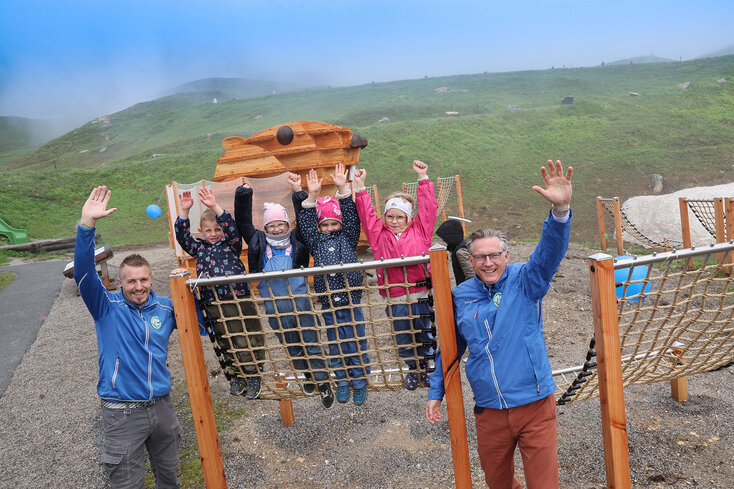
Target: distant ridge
<point>235,87</point>
<point>23,133</point>
<point>641,59</point>
<point>720,52</point>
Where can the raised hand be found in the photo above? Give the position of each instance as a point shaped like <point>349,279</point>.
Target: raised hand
<point>96,206</point>
<point>340,177</point>
<point>314,183</point>
<point>186,201</point>
<point>359,178</point>
<point>558,187</point>
<point>294,180</point>
<point>421,169</point>
<point>207,198</point>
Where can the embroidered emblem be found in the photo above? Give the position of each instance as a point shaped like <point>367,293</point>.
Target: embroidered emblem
<point>156,322</point>
<point>497,298</point>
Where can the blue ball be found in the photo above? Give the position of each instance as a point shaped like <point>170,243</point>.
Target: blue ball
<point>153,211</point>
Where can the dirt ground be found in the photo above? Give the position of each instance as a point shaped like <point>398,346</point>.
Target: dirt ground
<point>51,431</point>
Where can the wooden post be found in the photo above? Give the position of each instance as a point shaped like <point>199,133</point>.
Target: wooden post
<point>451,371</point>
<point>729,218</point>
<point>609,358</point>
<point>685,224</point>
<point>720,226</point>
<point>679,386</point>
<point>618,226</point>
<point>197,381</point>
<point>602,225</point>
<point>460,200</point>
<point>287,416</point>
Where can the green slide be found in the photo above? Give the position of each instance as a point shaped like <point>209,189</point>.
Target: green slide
<point>16,236</point>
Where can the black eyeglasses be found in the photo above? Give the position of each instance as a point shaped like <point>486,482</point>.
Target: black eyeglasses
<point>492,256</point>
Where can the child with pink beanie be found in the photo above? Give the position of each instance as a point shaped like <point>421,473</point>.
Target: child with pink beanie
<point>331,230</point>
<point>278,247</point>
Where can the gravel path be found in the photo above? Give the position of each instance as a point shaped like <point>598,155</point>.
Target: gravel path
<point>50,428</point>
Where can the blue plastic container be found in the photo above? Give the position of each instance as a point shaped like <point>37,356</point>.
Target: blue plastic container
<point>621,275</point>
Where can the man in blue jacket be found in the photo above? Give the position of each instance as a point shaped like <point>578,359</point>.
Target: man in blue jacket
<point>498,317</point>
<point>133,328</point>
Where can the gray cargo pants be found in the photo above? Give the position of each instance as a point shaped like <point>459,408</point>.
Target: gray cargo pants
<point>128,433</point>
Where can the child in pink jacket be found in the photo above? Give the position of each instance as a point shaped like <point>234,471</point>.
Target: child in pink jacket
<point>399,234</point>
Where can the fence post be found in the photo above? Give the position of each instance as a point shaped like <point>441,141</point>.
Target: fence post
<point>197,381</point>
<point>600,222</point>
<point>618,226</point>
<point>609,358</point>
<point>444,307</point>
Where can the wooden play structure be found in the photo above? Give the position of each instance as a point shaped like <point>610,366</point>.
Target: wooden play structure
<point>623,224</point>
<point>684,327</point>
<point>263,160</point>
<point>715,215</point>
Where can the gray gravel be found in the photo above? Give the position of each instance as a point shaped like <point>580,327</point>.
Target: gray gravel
<point>50,429</point>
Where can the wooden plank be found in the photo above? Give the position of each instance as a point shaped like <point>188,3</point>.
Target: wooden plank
<point>609,358</point>
<point>600,221</point>
<point>618,226</point>
<point>197,381</point>
<point>451,371</point>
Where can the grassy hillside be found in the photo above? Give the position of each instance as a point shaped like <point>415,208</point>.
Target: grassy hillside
<point>614,141</point>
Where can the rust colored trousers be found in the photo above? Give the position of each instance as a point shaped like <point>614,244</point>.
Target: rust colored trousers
<point>532,428</point>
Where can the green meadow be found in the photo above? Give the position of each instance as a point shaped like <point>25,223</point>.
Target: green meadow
<point>614,141</point>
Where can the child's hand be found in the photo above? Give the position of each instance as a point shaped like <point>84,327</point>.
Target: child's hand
<point>313,182</point>
<point>207,198</point>
<point>420,168</point>
<point>186,201</point>
<point>339,177</point>
<point>359,178</point>
<point>294,180</point>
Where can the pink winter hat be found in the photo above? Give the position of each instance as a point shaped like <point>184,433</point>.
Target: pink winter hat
<point>328,208</point>
<point>274,212</point>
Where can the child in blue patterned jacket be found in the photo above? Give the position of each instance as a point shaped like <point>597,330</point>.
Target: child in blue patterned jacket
<point>331,229</point>
<point>218,255</point>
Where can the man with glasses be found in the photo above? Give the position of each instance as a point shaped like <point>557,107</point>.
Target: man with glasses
<point>498,317</point>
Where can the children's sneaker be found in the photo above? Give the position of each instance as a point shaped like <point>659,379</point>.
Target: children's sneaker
<point>239,385</point>
<point>411,381</point>
<point>342,393</point>
<point>327,396</point>
<point>309,387</point>
<point>253,388</point>
<point>425,375</point>
<point>360,395</point>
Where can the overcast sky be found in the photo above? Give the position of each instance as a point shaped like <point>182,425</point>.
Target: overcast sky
<point>85,58</point>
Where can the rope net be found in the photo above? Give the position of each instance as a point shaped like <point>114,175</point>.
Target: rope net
<point>705,212</point>
<point>307,337</point>
<point>445,187</point>
<point>630,229</point>
<point>676,318</point>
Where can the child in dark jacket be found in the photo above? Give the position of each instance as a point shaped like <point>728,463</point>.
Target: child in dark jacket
<point>218,255</point>
<point>276,248</point>
<point>331,229</point>
<point>452,232</point>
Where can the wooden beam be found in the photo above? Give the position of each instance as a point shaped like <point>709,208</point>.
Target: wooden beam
<point>197,381</point>
<point>609,358</point>
<point>600,221</point>
<point>618,226</point>
<point>451,372</point>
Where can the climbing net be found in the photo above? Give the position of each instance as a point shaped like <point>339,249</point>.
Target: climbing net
<point>291,342</point>
<point>705,212</point>
<point>676,318</point>
<point>630,228</point>
<point>445,188</point>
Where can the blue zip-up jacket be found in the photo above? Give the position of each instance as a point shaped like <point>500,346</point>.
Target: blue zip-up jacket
<point>132,341</point>
<point>508,363</point>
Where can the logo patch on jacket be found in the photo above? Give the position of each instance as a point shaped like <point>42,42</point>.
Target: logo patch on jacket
<point>497,298</point>
<point>156,322</point>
